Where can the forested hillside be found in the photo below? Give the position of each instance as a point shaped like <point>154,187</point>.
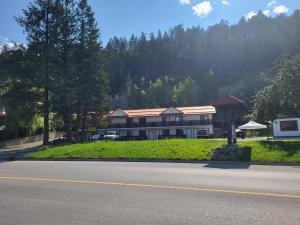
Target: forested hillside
<point>224,59</point>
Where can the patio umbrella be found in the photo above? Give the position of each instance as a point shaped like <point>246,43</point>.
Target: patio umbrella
<point>252,125</point>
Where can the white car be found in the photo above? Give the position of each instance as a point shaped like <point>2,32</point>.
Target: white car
<point>111,135</point>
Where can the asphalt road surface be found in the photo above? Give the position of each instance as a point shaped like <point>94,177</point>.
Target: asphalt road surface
<point>136,193</point>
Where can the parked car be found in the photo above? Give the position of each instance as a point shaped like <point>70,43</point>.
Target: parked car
<point>202,133</point>
<point>96,137</point>
<point>239,134</point>
<point>111,135</point>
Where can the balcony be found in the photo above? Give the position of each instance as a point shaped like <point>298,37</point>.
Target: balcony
<point>161,124</point>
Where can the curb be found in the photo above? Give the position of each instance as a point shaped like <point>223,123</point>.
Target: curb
<point>173,161</point>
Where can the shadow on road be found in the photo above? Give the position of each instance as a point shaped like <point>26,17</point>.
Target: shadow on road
<point>228,165</point>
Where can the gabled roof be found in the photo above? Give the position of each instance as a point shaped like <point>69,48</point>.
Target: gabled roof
<point>228,100</point>
<point>171,110</point>
<point>163,111</point>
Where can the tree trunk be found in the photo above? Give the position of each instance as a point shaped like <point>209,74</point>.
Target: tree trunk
<point>46,116</point>
<point>67,123</point>
<point>78,120</point>
<point>83,128</point>
<point>46,80</point>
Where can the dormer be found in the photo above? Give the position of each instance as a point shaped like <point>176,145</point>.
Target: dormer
<point>171,111</point>
<point>118,113</point>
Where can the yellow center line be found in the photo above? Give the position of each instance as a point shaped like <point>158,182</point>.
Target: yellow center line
<point>153,186</point>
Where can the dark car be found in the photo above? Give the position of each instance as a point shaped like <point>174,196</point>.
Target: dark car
<point>239,134</point>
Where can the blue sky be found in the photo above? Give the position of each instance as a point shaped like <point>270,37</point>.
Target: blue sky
<point>123,17</point>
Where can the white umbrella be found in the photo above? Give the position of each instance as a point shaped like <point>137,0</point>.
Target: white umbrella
<point>252,125</point>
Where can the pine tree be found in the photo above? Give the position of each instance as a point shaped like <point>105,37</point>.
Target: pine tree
<point>66,70</point>
<point>38,21</point>
<point>92,85</point>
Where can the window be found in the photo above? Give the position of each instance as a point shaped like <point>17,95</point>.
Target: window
<point>179,119</point>
<point>166,132</point>
<point>204,120</point>
<point>203,117</point>
<point>291,125</point>
<point>142,133</point>
<point>164,121</point>
<point>129,121</point>
<point>179,132</point>
<point>142,122</point>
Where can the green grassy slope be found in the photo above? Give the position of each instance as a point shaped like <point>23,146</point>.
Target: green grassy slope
<point>184,149</point>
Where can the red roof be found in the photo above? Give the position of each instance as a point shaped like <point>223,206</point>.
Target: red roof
<point>228,100</point>
<point>158,111</point>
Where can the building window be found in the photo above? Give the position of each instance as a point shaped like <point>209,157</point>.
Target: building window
<point>179,118</point>
<point>142,133</point>
<point>129,122</point>
<point>179,132</point>
<point>203,117</point>
<point>291,125</point>
<point>204,120</point>
<point>164,121</point>
<point>142,122</point>
<point>166,132</point>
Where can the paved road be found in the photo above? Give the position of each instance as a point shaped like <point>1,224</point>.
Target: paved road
<point>33,192</point>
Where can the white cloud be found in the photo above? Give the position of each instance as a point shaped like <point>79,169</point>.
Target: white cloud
<point>224,2</point>
<point>202,9</point>
<point>272,3</point>
<point>250,15</point>
<point>280,9</point>
<point>266,12</point>
<point>185,2</point>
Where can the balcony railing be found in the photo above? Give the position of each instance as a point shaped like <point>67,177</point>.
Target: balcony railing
<point>161,124</point>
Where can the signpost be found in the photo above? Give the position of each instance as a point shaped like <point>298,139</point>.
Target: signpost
<point>231,135</point>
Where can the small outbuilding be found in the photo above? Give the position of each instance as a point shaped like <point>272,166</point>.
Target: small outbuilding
<point>288,127</point>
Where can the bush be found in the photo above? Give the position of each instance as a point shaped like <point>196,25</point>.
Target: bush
<point>231,153</point>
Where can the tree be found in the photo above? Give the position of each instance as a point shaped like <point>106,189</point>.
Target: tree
<point>92,83</point>
<point>237,54</point>
<point>281,96</point>
<point>18,93</point>
<point>38,21</point>
<point>65,76</point>
<point>184,94</point>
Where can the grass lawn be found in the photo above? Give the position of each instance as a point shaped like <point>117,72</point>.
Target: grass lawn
<point>176,149</point>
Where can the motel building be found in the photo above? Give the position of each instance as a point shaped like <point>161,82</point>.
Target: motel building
<point>152,124</point>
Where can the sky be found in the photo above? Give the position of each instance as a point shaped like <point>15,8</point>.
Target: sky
<point>122,18</point>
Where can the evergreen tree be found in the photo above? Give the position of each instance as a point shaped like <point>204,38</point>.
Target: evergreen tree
<point>38,21</point>
<point>92,84</point>
<point>66,61</point>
